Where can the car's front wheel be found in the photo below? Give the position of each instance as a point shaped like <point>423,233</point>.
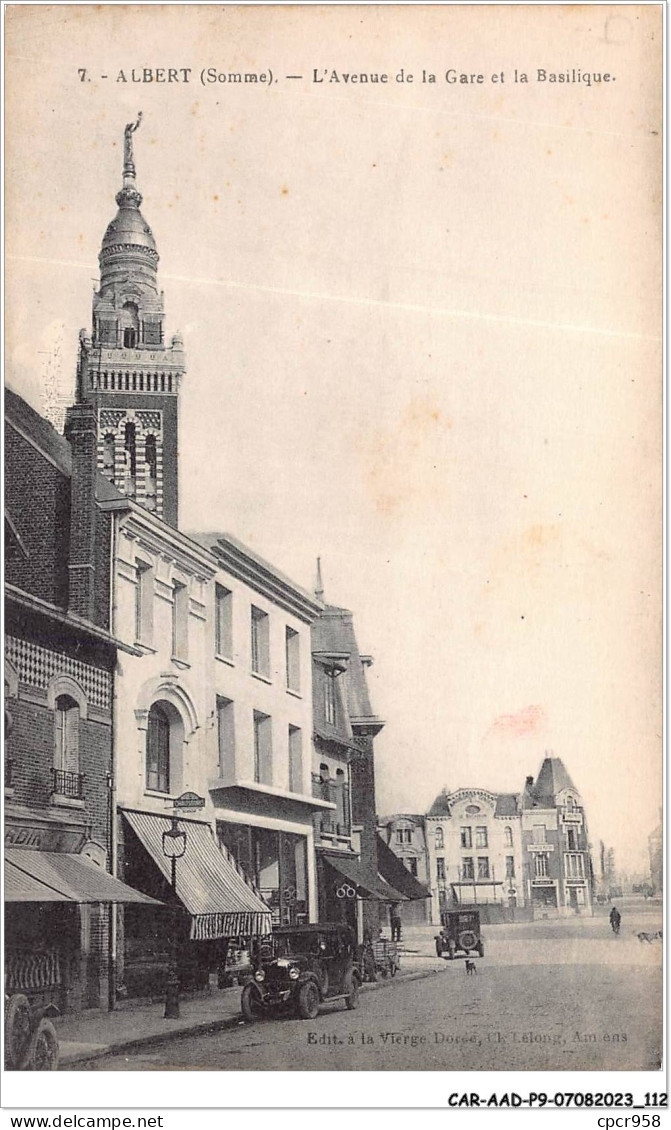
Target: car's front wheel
<point>308,1001</point>
<point>250,1004</point>
<point>352,998</point>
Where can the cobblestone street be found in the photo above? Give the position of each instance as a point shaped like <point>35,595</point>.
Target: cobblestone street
<point>564,995</point>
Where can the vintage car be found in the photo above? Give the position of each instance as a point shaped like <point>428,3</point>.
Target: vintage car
<point>460,935</point>
<point>301,967</point>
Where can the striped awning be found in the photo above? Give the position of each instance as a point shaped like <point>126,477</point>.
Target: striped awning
<point>50,876</point>
<point>218,896</point>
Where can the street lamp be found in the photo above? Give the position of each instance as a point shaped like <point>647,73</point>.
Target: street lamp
<point>174,846</point>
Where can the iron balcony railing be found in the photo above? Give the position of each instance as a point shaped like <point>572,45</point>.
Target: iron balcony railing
<point>68,784</point>
<point>336,823</point>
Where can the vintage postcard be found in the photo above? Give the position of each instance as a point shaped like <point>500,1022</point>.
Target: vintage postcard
<point>333,539</point>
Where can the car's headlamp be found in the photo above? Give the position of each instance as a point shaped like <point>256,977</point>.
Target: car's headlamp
<point>294,973</point>
<point>259,975</point>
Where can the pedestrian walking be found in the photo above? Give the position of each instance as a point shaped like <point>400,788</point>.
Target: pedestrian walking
<point>395,921</point>
<point>615,919</point>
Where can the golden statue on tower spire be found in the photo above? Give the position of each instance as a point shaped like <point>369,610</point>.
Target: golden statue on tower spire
<point>128,163</point>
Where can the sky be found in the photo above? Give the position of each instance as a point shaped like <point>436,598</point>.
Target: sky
<point>422,330</point>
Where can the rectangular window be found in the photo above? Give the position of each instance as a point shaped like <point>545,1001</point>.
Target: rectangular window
<point>293,659</point>
<point>263,749</point>
<point>295,759</point>
<point>481,837</point>
<point>510,867</point>
<point>223,621</point>
<point>541,864</point>
<point>539,833</point>
<point>408,835</point>
<point>180,621</point>
<point>440,866</point>
<point>467,871</point>
<point>260,624</point>
<point>483,867</point>
<point>399,836</point>
<point>226,736</point>
<point>411,864</point>
<point>572,839</point>
<point>466,838</point>
<point>329,699</point>
<point>575,867</point>
<point>144,603</point>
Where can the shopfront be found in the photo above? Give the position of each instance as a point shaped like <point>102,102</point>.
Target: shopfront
<point>277,863</point>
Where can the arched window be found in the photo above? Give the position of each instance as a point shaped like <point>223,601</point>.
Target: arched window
<point>158,749</point>
<point>509,836</point>
<point>440,840</point>
<point>570,804</point>
<point>130,324</point>
<point>130,459</point>
<point>150,480</point>
<point>108,454</point>
<point>341,800</point>
<point>67,778</point>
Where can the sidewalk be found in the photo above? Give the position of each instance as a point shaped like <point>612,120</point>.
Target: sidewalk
<point>84,1036</point>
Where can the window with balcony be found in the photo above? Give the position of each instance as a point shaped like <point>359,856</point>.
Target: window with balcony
<point>440,867</point>
<point>223,621</point>
<point>260,627</point>
<point>466,837</point>
<point>510,867</point>
<point>226,736</point>
<point>467,871</point>
<point>483,867</point>
<point>67,779</point>
<point>541,859</point>
<point>330,698</point>
<point>295,759</point>
<point>292,659</point>
<point>481,836</point>
<point>263,749</point>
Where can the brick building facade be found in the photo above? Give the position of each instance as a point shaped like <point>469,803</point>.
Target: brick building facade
<point>59,672</point>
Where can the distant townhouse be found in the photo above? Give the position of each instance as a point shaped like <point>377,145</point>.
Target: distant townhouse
<point>404,836</point>
<point>557,863</point>
<point>474,850</point>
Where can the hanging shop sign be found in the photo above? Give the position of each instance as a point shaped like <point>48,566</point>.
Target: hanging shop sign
<point>345,891</point>
<point>189,800</point>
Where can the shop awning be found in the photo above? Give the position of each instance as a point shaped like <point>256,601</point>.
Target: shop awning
<point>221,901</point>
<point>396,873</point>
<point>49,876</point>
<point>368,883</point>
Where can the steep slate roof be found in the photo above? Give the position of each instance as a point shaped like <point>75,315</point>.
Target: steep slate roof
<point>397,874</point>
<point>506,804</point>
<point>47,439</point>
<point>440,806</point>
<point>333,633</point>
<point>551,780</point>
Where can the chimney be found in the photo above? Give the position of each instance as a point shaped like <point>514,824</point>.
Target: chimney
<point>80,431</point>
<point>529,782</point>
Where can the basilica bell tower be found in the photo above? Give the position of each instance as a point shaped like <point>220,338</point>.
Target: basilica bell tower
<point>125,369</point>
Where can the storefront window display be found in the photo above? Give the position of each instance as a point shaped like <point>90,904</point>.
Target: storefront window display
<point>277,863</point>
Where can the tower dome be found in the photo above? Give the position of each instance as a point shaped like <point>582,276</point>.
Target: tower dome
<point>128,247</point>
